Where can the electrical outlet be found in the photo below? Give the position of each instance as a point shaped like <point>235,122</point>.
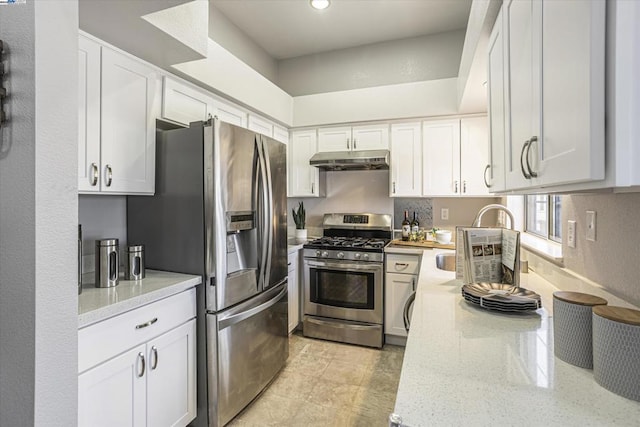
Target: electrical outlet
<point>444,214</point>
<point>571,234</point>
<point>591,226</point>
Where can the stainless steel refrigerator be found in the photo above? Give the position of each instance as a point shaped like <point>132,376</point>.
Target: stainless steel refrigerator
<point>220,211</point>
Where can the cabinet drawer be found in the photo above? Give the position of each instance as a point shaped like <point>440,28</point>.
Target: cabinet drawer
<point>406,264</point>
<point>106,339</point>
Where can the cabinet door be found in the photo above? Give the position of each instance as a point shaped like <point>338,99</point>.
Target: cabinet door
<point>474,147</point>
<point>372,137</point>
<point>229,113</point>
<point>114,393</point>
<point>303,178</point>
<point>398,288</point>
<point>183,104</point>
<point>571,148</point>
<point>88,116</point>
<point>260,125</point>
<point>128,124</point>
<point>441,158</point>
<point>495,174</point>
<point>406,160</point>
<point>171,377</point>
<point>523,105</point>
<point>334,139</point>
<point>280,134</point>
<point>294,292</point>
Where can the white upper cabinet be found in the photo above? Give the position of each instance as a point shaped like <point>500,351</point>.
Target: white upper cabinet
<point>405,171</point>
<point>184,104</point>
<point>118,107</point>
<point>441,158</point>
<point>88,116</point>
<point>356,138</point>
<point>474,142</point>
<point>280,134</point>
<point>228,113</point>
<point>129,112</point>
<point>304,179</point>
<point>555,92</point>
<point>260,125</point>
<point>495,173</point>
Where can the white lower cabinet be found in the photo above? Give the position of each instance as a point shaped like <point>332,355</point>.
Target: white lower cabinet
<point>152,383</point>
<point>401,279</point>
<point>294,291</point>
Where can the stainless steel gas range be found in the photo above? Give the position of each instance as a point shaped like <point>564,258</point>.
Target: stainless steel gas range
<point>344,278</point>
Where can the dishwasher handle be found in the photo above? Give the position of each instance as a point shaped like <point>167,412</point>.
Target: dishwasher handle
<point>405,312</point>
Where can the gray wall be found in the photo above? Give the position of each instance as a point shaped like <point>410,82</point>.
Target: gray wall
<point>612,260</point>
<point>227,35</point>
<point>38,215</point>
<point>401,61</point>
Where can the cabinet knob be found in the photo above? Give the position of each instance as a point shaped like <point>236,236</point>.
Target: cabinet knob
<point>109,175</point>
<point>94,174</point>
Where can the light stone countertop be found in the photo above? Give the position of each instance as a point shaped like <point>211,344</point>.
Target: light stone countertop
<point>466,366</point>
<point>97,304</point>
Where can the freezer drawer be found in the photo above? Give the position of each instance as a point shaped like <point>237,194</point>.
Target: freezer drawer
<point>248,345</point>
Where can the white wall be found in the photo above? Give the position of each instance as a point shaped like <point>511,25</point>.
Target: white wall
<point>38,215</point>
<point>431,57</point>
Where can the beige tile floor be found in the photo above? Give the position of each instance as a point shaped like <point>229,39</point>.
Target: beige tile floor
<point>329,384</point>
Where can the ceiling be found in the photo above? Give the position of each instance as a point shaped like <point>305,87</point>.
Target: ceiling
<point>291,28</point>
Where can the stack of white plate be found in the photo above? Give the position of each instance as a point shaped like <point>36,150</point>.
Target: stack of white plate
<point>501,297</point>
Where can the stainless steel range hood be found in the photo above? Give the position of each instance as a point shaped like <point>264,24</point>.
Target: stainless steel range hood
<point>351,160</point>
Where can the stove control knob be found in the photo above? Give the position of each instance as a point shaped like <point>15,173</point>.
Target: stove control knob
<point>325,254</point>
<point>340,255</point>
<point>318,253</point>
<point>366,257</point>
<point>357,255</point>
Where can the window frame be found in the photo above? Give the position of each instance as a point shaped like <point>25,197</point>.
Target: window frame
<point>553,220</point>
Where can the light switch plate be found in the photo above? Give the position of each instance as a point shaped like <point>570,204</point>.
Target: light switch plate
<point>591,226</point>
<point>444,214</point>
<point>571,234</point>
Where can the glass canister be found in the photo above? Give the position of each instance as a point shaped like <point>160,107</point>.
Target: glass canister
<point>134,263</point>
<point>107,263</point>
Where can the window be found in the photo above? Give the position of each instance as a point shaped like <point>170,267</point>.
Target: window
<point>543,217</point>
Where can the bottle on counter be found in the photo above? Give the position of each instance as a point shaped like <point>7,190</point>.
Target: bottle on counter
<point>406,227</point>
<point>415,225</point>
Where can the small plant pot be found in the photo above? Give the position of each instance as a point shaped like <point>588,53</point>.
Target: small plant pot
<point>301,234</point>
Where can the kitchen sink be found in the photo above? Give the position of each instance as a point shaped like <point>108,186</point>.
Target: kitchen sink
<point>446,262</point>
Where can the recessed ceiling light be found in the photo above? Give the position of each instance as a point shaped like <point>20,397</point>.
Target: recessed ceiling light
<point>320,4</point>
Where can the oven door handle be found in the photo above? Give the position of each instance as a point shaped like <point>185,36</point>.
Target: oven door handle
<point>343,266</point>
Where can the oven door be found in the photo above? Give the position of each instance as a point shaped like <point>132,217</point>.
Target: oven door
<point>346,290</point>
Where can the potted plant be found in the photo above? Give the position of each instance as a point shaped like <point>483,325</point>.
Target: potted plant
<point>299,217</point>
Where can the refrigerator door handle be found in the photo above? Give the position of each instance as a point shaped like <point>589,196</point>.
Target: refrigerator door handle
<point>237,318</point>
<point>269,214</point>
<point>262,215</point>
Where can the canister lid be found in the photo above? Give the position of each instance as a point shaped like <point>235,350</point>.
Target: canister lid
<point>135,248</point>
<point>618,314</point>
<point>107,242</point>
<point>579,298</point>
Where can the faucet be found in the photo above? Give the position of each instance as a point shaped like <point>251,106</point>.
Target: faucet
<point>495,206</point>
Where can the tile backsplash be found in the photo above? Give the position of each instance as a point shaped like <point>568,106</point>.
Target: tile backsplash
<point>423,207</point>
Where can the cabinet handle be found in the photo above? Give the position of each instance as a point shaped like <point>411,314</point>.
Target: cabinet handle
<point>144,365</point>
<point>531,141</point>
<point>484,176</point>
<point>413,284</point>
<point>401,265</point>
<point>94,173</point>
<point>347,143</point>
<point>464,186</point>
<point>354,144</point>
<point>394,187</point>
<point>524,147</point>
<point>154,357</point>
<point>145,324</point>
<point>313,184</point>
<point>455,186</point>
<point>109,175</point>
